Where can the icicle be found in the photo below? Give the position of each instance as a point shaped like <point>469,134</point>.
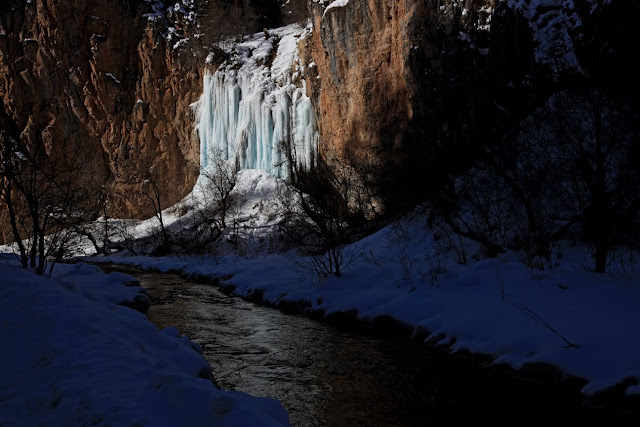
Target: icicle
<point>247,110</point>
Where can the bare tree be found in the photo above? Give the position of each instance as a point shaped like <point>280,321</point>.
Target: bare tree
<point>584,145</point>
<point>219,179</point>
<point>99,232</point>
<point>572,166</point>
<point>10,159</point>
<point>152,194</point>
<point>48,195</point>
<point>324,214</point>
<point>204,219</point>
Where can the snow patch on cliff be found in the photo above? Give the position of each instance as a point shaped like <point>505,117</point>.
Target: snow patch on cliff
<point>182,9</point>
<point>552,23</point>
<point>335,4</point>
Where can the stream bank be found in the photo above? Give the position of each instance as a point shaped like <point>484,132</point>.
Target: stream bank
<point>344,370</point>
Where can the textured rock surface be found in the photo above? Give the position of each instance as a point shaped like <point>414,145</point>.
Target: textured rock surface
<point>413,88</point>
<point>99,74</point>
<point>408,90</point>
<point>364,85</point>
<point>380,66</point>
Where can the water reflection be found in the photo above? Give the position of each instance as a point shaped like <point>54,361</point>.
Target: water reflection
<point>327,376</point>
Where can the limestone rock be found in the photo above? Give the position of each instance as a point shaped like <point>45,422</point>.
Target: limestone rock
<point>101,75</point>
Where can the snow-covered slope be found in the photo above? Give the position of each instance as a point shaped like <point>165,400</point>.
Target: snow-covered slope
<point>70,356</point>
<point>437,283</point>
<point>583,323</point>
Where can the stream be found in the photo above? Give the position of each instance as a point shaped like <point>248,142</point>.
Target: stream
<point>330,376</point>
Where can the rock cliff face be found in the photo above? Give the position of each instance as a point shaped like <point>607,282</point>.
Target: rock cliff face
<point>99,74</point>
<point>412,89</point>
<point>407,91</point>
<point>363,86</point>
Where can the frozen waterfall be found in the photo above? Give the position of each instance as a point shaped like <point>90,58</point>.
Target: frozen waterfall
<point>255,103</point>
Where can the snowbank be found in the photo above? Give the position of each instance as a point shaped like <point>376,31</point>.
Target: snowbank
<point>581,322</point>
<point>72,357</point>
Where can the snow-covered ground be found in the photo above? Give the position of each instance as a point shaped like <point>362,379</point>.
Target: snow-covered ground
<point>584,323</point>
<point>72,356</point>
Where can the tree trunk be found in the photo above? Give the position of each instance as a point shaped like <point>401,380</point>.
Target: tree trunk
<point>601,221</point>
<point>24,259</point>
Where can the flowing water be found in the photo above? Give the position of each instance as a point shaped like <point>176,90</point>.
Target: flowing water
<point>331,376</point>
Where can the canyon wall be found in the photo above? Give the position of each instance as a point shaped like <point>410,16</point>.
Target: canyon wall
<point>411,90</point>
<point>407,92</point>
<point>114,77</point>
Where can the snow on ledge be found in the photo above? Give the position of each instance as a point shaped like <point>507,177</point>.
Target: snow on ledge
<point>335,4</point>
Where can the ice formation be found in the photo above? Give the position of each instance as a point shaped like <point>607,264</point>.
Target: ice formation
<point>256,102</point>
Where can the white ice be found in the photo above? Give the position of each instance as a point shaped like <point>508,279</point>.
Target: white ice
<point>256,102</point>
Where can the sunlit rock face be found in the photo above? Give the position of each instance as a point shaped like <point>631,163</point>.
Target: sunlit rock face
<point>414,89</point>
<point>409,89</point>
<point>255,106</point>
<point>392,80</point>
<point>109,75</point>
